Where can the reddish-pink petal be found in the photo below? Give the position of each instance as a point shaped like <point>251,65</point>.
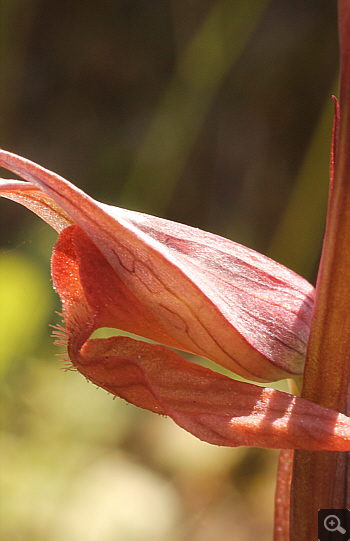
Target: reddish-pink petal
<point>37,201</point>
<point>209,405</point>
<point>209,295</point>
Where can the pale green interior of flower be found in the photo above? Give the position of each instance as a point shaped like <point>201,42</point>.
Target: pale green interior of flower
<point>107,332</point>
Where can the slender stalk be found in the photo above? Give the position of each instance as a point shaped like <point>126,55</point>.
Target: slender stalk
<point>282,497</point>
<point>319,479</point>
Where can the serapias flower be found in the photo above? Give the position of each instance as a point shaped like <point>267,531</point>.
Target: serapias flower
<point>185,289</point>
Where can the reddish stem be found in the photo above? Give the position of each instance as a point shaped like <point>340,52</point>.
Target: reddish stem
<point>318,477</point>
<point>282,496</point>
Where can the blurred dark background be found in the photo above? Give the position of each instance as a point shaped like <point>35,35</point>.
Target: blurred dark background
<point>83,84</point>
<point>213,113</point>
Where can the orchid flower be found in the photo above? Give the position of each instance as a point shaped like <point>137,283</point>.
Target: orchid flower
<point>185,289</point>
<point>196,292</point>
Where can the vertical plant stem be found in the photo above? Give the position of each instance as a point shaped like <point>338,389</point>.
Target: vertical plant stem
<point>282,496</point>
<point>317,476</point>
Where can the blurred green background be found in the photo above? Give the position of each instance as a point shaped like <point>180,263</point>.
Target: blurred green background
<point>216,114</point>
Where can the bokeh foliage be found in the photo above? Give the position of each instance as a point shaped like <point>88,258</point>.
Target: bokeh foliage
<point>212,113</point>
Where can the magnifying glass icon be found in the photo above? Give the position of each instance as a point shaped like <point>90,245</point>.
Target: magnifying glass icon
<point>332,524</point>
